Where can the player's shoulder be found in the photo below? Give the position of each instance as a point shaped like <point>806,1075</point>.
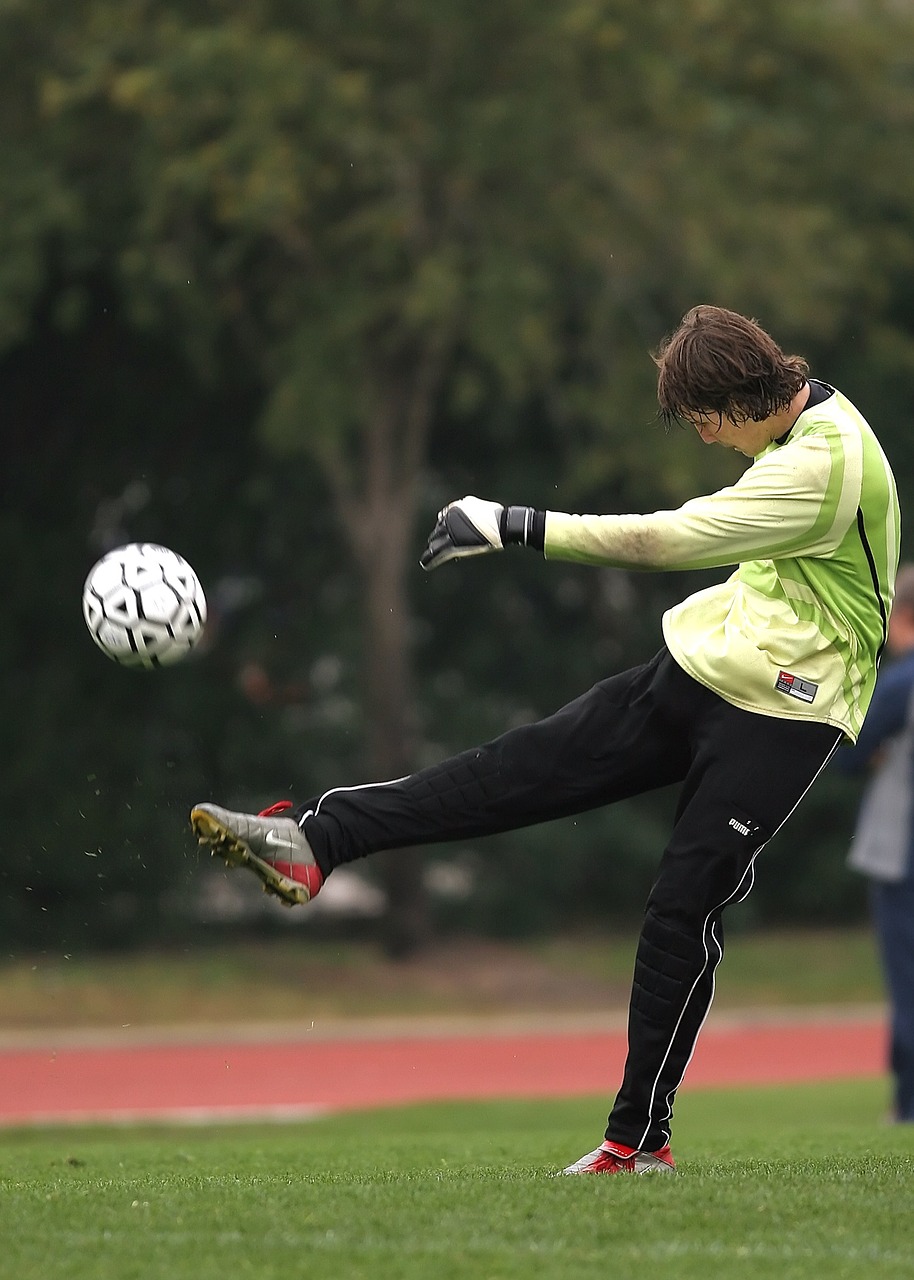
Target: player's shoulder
<point>836,419</point>
<point>807,453</point>
<point>831,431</point>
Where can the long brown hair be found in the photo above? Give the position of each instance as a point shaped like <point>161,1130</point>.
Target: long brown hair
<point>719,362</point>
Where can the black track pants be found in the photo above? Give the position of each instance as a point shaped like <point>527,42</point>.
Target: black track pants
<point>742,775</point>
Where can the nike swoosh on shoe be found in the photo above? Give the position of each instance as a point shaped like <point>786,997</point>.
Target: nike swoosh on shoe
<point>277,841</point>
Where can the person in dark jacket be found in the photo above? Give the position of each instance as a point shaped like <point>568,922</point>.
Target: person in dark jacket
<point>883,844</point>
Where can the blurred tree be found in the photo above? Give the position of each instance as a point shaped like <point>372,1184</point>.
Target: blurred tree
<point>451,232</point>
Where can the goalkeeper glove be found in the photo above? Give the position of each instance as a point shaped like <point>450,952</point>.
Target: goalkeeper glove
<point>473,527</point>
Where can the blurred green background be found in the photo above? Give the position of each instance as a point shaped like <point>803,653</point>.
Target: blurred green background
<point>277,280</point>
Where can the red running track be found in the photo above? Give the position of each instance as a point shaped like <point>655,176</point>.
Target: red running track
<point>301,1074</point>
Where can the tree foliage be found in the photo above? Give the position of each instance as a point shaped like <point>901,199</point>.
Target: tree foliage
<point>352,260</point>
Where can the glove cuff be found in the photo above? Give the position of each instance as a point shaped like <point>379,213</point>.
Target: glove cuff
<point>523,526</point>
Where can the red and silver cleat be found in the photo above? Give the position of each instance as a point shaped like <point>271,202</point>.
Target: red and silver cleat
<point>613,1157</point>
<point>271,846</point>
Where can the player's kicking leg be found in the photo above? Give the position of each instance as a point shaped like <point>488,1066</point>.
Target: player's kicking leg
<point>271,846</point>
<point>611,742</point>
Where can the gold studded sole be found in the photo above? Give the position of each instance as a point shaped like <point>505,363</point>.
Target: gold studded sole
<point>224,844</point>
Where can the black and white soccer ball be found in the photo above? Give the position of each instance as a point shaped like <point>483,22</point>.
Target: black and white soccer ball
<point>144,605</point>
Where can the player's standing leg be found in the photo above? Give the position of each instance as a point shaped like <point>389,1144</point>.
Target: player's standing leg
<point>748,774</point>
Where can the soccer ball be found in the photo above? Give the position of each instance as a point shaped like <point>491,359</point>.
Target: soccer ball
<point>144,605</point>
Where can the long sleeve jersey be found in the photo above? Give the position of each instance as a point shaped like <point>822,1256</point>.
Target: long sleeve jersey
<point>814,527</point>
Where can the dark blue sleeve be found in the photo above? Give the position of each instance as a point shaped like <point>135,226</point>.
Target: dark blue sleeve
<point>885,718</point>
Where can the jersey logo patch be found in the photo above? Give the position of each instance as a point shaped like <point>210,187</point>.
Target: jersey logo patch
<point>796,687</point>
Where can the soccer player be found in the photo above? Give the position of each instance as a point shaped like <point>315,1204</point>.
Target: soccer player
<point>760,679</point>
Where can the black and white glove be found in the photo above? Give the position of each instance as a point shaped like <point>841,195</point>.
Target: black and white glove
<point>474,527</point>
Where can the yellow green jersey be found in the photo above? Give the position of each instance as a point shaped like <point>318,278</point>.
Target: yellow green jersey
<point>814,527</point>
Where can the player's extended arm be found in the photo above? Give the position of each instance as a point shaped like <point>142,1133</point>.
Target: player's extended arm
<point>791,503</point>
<point>474,527</point>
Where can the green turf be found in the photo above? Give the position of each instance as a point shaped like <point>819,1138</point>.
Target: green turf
<point>803,1182</point>
<point>298,979</point>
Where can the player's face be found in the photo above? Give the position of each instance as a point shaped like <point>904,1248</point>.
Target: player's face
<point>748,438</point>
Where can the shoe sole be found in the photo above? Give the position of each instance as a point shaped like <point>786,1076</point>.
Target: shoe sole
<point>236,853</point>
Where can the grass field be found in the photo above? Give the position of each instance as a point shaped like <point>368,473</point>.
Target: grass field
<point>300,979</point>
<point>805,1182</point>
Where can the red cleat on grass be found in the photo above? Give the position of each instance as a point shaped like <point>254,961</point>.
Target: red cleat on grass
<point>271,846</point>
<point>613,1157</point>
